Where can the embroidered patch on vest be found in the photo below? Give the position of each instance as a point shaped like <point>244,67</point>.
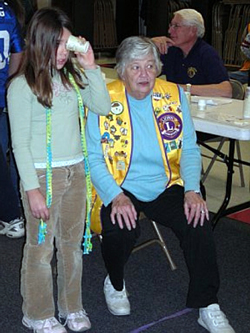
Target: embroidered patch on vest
<point>170,125</point>
<point>157,96</point>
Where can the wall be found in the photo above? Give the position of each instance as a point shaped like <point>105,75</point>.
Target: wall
<point>43,3</point>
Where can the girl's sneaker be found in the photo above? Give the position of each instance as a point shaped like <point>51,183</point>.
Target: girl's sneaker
<point>13,229</point>
<point>77,321</point>
<point>50,325</point>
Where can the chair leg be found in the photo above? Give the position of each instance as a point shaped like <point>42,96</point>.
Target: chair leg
<point>202,169</point>
<point>161,242</point>
<point>240,165</point>
<point>204,177</point>
<point>164,246</point>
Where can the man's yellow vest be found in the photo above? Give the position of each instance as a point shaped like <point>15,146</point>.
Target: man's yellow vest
<point>117,136</point>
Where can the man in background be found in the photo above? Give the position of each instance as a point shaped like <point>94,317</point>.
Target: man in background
<point>187,58</point>
<point>242,75</point>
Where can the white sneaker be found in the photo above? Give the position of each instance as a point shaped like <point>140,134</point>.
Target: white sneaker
<point>117,301</point>
<point>214,320</point>
<point>50,325</point>
<point>4,226</point>
<point>12,229</point>
<point>78,321</point>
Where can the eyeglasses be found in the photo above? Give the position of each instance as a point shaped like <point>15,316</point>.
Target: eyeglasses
<point>175,25</point>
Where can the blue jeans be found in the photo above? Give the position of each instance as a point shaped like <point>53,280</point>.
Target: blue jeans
<point>6,147</point>
<point>241,76</point>
<point>65,227</point>
<point>9,208</point>
<point>4,130</point>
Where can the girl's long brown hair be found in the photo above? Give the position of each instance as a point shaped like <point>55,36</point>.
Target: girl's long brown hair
<point>39,63</point>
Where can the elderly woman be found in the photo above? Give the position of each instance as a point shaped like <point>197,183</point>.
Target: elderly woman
<point>144,158</point>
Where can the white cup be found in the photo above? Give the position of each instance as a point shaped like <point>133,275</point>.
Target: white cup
<point>202,104</point>
<point>188,95</point>
<point>75,44</point>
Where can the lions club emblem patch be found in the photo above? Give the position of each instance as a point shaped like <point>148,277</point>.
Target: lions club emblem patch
<point>170,125</point>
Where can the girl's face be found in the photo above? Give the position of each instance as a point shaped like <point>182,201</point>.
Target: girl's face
<point>62,54</point>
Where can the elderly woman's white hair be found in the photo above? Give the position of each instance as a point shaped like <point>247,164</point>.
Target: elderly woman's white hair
<point>191,17</point>
<point>133,48</point>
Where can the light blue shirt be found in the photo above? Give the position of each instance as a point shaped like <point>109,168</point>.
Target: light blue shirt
<point>146,178</point>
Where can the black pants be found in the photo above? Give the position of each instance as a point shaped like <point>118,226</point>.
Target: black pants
<point>197,245</point>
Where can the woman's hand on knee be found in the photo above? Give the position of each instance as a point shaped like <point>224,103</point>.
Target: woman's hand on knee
<point>195,209</point>
<point>123,212</point>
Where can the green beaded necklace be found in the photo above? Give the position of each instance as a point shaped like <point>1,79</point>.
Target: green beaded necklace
<point>87,245</point>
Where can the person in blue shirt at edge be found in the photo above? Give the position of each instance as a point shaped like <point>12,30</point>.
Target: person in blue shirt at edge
<point>144,158</point>
<point>242,75</point>
<point>11,46</point>
<point>187,58</point>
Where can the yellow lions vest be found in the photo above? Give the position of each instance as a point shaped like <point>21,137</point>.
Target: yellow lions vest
<point>117,136</point>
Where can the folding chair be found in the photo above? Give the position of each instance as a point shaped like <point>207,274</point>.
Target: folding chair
<point>159,240</point>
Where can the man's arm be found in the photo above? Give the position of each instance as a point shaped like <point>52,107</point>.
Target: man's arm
<point>222,89</point>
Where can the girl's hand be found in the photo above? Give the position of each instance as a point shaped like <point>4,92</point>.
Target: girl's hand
<point>86,60</point>
<point>37,204</point>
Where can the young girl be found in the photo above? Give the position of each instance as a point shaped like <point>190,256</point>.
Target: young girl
<point>45,101</point>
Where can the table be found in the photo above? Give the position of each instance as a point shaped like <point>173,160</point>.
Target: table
<point>224,119</point>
